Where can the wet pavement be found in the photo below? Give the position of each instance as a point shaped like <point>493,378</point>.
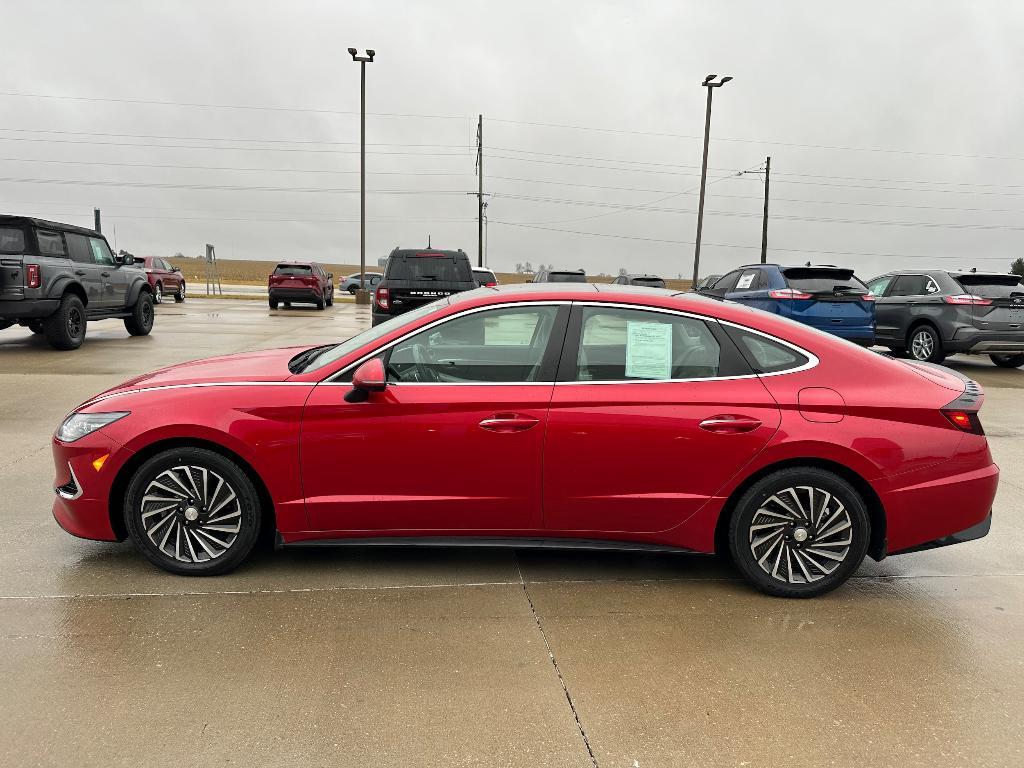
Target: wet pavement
<point>492,658</point>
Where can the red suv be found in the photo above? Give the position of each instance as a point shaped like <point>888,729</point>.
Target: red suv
<point>164,279</point>
<point>302,281</point>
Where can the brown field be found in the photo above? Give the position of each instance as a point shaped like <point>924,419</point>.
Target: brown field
<point>248,272</point>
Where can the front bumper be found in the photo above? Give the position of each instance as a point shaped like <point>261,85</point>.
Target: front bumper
<point>82,493</point>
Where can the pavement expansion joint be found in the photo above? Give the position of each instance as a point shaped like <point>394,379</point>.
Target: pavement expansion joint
<point>554,663</point>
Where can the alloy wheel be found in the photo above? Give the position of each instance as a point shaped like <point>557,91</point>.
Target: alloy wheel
<point>191,513</point>
<point>75,322</point>
<point>800,535</point>
<point>922,346</point>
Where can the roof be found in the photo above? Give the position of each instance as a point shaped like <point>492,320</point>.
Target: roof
<point>33,222</point>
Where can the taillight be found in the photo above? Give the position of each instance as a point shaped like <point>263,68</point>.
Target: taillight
<point>967,298</point>
<point>966,421</point>
<point>490,285</point>
<point>381,297</point>
<point>33,279</point>
<point>868,297</point>
<point>789,293</point>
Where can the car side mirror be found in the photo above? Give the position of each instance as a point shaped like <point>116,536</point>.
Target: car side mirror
<point>175,269</point>
<point>368,377</point>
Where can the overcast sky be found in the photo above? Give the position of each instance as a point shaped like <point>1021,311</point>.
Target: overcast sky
<point>896,130</point>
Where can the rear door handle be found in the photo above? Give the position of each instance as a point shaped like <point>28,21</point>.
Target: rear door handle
<point>729,424</point>
<point>508,422</point>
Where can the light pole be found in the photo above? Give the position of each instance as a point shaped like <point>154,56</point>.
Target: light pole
<point>710,84</point>
<point>362,295</point>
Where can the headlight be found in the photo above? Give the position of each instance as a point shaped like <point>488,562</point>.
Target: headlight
<point>78,425</point>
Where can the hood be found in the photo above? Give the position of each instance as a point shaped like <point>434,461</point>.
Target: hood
<point>263,365</point>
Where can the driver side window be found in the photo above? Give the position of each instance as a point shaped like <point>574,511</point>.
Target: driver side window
<point>494,346</point>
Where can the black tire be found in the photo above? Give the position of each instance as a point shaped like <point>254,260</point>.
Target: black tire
<point>353,289</point>
<point>65,328</point>
<point>36,326</point>
<point>924,344</point>
<point>1007,361</point>
<point>319,303</point>
<point>758,504</point>
<point>330,298</point>
<point>179,295</point>
<point>140,321</point>
<point>184,533</point>
<point>273,303</point>
<point>158,294</point>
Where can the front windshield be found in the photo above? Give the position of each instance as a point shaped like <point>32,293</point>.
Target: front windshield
<point>338,351</point>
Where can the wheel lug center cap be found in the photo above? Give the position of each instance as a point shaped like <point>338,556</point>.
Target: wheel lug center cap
<point>192,514</point>
<point>800,534</point>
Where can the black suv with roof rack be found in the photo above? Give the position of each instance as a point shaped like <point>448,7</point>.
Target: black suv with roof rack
<point>417,276</point>
<point>930,313</point>
<point>54,278</point>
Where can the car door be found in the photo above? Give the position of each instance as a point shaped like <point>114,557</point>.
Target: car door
<point>652,414</point>
<point>724,284</point>
<point>905,300</point>
<point>114,283</point>
<point>85,268</point>
<point>885,330</point>
<point>466,393</point>
<point>747,286</point>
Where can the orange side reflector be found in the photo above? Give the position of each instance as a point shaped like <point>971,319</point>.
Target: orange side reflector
<point>97,464</point>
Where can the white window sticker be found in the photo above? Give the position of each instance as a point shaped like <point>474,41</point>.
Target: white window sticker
<point>648,350</point>
<point>746,281</point>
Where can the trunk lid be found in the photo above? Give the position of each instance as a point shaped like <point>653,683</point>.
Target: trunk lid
<point>1006,294</point>
<point>415,278</point>
<point>837,297</point>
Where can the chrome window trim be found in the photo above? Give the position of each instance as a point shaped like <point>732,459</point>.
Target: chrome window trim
<point>812,359</point>
<point>427,327</point>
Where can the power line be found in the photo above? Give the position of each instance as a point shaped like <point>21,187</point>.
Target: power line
<point>225,167</point>
<point>228,187</point>
<point>228,149</point>
<point>749,247</point>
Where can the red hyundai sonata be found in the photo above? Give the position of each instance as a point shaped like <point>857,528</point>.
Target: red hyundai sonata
<point>608,417</point>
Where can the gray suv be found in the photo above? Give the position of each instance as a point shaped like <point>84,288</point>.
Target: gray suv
<point>931,313</point>
<point>54,278</point>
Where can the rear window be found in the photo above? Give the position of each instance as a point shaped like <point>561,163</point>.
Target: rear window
<point>300,270</point>
<point>991,286</point>
<point>12,240</point>
<point>818,280</point>
<point>442,268</point>
<point>766,355</point>
<point>50,243</point>
<point>566,277</point>
<point>649,282</point>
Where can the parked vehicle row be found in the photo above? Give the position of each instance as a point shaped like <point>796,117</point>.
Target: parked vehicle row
<point>56,278</point>
<point>712,428</point>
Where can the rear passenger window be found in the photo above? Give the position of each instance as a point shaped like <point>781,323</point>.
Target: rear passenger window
<point>50,243</point>
<point>748,281</point>
<point>636,345</point>
<point>914,285</point>
<point>766,355</point>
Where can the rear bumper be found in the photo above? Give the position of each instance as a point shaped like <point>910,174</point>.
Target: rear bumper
<point>27,309</point>
<point>942,510</point>
<point>977,531</point>
<point>295,294</point>
<point>859,334</point>
<point>987,342</point>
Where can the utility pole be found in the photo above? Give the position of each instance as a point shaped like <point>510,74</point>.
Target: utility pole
<point>362,295</point>
<point>96,219</point>
<point>480,191</point>
<point>764,220</point>
<point>710,85</point>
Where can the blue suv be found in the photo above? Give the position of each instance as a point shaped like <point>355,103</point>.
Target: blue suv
<point>828,298</point>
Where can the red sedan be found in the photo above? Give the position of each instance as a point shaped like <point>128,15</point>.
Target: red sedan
<point>608,416</point>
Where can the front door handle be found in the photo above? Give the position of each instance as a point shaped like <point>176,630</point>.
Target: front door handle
<point>508,422</point>
<point>729,424</point>
<point>105,274</point>
<point>80,272</point>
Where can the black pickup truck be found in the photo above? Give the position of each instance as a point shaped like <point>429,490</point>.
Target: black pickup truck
<point>54,278</point>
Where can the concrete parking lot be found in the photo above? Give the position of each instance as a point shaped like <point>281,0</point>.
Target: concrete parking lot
<point>494,658</point>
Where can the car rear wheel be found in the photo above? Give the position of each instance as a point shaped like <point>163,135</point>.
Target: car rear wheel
<point>799,532</point>
<point>319,303</point>
<point>140,321</point>
<point>65,328</point>
<point>924,345</point>
<point>180,295</point>
<point>192,511</point>
<point>1008,361</point>
<point>273,303</point>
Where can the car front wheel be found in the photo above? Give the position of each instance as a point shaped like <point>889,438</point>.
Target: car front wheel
<point>192,511</point>
<point>1008,361</point>
<point>799,532</point>
<point>180,295</point>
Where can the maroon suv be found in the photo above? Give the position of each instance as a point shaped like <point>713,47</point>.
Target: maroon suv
<point>301,281</point>
<point>164,279</point>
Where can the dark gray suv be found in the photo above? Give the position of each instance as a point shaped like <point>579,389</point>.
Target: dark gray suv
<point>931,313</point>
